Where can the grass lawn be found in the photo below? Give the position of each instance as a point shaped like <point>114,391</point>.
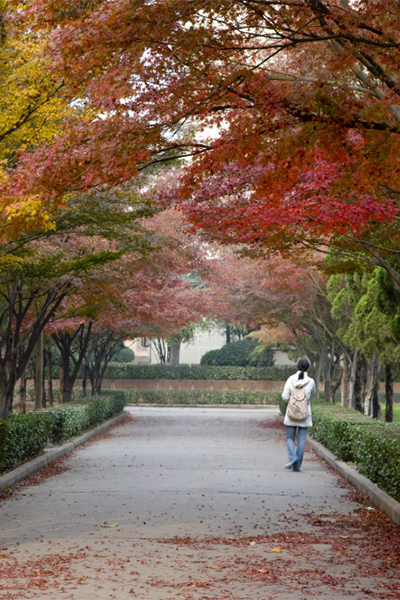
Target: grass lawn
<point>396,412</point>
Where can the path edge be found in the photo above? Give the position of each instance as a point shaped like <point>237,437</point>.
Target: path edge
<point>381,499</point>
<point>50,454</point>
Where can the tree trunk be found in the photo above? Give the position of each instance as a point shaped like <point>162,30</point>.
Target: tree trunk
<point>357,388</point>
<point>335,386</point>
<point>44,395</point>
<point>354,380</point>
<point>50,391</point>
<point>345,387</point>
<point>376,407</point>
<point>66,387</point>
<point>327,374</point>
<point>372,385</point>
<point>7,385</point>
<point>389,394</point>
<point>317,374</point>
<point>39,373</point>
<point>159,347</point>
<point>85,375</point>
<point>173,354</point>
<point>61,379</point>
<point>22,393</point>
<point>96,384</point>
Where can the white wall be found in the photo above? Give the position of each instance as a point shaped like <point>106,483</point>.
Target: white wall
<point>281,358</point>
<point>202,343</point>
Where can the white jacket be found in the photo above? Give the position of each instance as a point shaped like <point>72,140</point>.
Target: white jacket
<point>310,389</point>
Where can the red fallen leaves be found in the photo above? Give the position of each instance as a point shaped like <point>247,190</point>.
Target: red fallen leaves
<point>242,541</point>
<point>54,468</point>
<point>43,572</point>
<point>364,543</point>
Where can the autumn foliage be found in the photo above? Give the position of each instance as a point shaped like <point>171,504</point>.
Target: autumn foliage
<point>301,98</point>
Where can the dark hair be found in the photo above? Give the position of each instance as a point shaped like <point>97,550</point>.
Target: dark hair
<point>303,365</point>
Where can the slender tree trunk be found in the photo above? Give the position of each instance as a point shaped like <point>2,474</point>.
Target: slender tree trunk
<point>85,375</point>
<point>318,373</point>
<point>96,384</point>
<point>376,407</point>
<point>389,394</point>
<point>173,354</point>
<point>345,387</point>
<point>372,386</point>
<point>67,386</point>
<point>160,349</point>
<point>354,379</point>
<point>7,385</point>
<point>327,372</point>
<point>22,393</point>
<point>44,394</point>
<point>50,392</point>
<point>22,388</point>
<point>228,333</point>
<point>335,386</point>
<point>61,389</point>
<point>357,388</point>
<point>39,373</point>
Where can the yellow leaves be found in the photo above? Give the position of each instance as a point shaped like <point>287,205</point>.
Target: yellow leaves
<point>10,262</point>
<point>30,213</point>
<point>31,109</point>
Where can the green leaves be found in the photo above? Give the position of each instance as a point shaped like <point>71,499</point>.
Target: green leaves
<point>188,397</point>
<point>352,437</point>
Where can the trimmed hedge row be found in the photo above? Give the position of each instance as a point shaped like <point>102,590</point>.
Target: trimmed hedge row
<point>190,397</point>
<point>353,437</point>
<point>25,436</point>
<point>129,371</point>
<point>22,437</point>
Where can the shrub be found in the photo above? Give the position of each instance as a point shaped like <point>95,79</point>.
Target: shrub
<point>372,445</point>
<point>240,354</point>
<point>24,436</point>
<point>210,358</point>
<point>131,371</point>
<point>125,355</point>
<point>377,451</point>
<point>262,356</point>
<point>73,419</point>
<point>188,397</point>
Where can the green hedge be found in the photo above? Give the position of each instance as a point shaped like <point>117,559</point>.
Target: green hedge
<point>129,371</point>
<point>353,437</point>
<point>71,420</point>
<point>22,437</point>
<point>190,397</point>
<point>240,354</point>
<point>25,436</point>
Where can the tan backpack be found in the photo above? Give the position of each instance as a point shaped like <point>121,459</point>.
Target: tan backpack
<point>297,409</point>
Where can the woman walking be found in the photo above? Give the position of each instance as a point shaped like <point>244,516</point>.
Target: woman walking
<point>298,381</point>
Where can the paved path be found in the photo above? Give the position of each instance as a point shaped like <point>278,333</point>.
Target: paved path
<point>194,503</point>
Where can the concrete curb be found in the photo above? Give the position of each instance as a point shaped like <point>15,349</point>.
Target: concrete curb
<point>50,454</point>
<point>378,497</point>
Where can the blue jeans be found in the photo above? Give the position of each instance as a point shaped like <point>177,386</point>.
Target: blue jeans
<point>296,453</point>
